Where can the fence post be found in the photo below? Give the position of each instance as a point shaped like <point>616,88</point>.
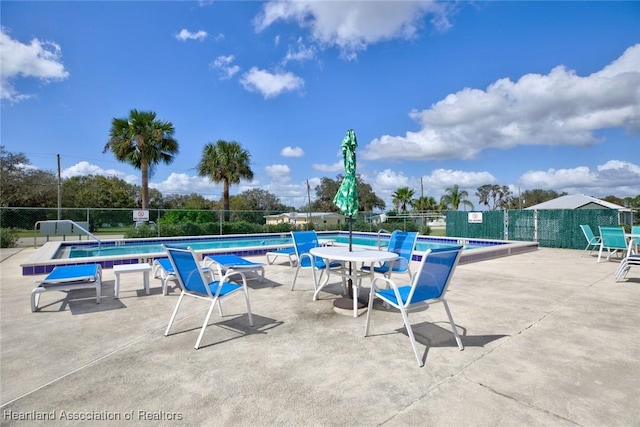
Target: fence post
<point>506,224</point>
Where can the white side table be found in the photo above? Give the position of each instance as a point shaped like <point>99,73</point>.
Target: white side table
<point>144,267</point>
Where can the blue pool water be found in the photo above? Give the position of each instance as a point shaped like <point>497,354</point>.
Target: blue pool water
<point>198,244</point>
<point>133,251</point>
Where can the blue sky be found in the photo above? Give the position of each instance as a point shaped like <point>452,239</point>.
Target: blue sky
<point>525,94</point>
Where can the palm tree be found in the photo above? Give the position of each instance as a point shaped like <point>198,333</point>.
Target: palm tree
<point>425,203</point>
<point>143,142</point>
<point>225,162</point>
<point>402,197</point>
<point>454,197</point>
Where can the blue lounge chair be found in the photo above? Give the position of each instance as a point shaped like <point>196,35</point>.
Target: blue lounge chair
<point>303,241</point>
<point>163,270</point>
<point>234,262</point>
<point>194,283</point>
<point>67,278</point>
<point>402,243</point>
<point>288,252</point>
<point>593,242</point>
<point>428,286</point>
<point>613,240</point>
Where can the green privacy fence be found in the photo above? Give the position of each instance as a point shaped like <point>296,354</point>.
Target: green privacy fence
<point>552,228</point>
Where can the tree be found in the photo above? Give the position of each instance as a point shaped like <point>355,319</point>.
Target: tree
<point>425,203</point>
<point>261,200</point>
<point>142,141</point>
<point>24,186</point>
<point>536,196</point>
<point>494,196</point>
<point>181,201</point>
<point>454,197</point>
<point>225,162</point>
<point>326,191</point>
<point>97,192</point>
<point>402,197</point>
<point>252,205</point>
<point>614,199</point>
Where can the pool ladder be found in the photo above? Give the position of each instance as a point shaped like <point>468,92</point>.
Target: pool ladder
<point>379,243</point>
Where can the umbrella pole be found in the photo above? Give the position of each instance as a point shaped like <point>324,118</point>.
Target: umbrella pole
<point>350,288</point>
<point>345,304</point>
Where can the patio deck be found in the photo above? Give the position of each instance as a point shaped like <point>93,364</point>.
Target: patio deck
<point>550,339</point>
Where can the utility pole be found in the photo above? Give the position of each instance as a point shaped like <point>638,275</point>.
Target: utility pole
<point>59,191</point>
<point>309,205</point>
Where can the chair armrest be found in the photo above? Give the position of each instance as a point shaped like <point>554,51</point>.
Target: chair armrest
<point>231,273</point>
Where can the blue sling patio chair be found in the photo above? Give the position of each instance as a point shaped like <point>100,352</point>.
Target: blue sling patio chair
<point>194,282</point>
<point>613,240</point>
<point>428,286</point>
<point>593,241</point>
<point>403,243</point>
<point>631,259</point>
<point>303,242</point>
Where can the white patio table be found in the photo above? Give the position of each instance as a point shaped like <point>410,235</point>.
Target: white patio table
<point>355,256</point>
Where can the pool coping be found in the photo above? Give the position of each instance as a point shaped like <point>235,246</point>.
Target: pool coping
<point>42,261</point>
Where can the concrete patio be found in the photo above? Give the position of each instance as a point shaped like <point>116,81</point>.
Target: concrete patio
<point>550,339</point>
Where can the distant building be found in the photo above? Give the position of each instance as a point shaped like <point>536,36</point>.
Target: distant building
<point>301,219</point>
<point>582,201</point>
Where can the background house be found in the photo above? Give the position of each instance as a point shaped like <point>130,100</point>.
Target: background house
<point>301,219</point>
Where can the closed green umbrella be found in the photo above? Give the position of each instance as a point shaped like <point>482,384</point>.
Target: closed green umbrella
<point>346,200</point>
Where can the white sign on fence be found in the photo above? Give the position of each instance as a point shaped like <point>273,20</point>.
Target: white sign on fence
<point>141,215</point>
<point>475,217</point>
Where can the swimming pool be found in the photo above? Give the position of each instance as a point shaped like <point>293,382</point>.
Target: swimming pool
<point>132,251</point>
<point>198,244</point>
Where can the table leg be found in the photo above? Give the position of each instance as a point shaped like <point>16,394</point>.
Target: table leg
<point>116,286</point>
<point>146,281</point>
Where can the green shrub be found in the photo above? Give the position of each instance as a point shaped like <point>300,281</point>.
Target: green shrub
<point>8,238</point>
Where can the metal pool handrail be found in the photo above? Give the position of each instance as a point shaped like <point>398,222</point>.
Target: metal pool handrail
<point>52,229</point>
<point>382,230</point>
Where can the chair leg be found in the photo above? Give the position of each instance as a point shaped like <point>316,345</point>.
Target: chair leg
<point>295,276</point>
<point>453,325</point>
<point>412,337</point>
<point>372,295</point>
<point>318,286</point>
<point>246,297</point>
<point>98,292</point>
<point>35,299</point>
<point>173,316</point>
<point>206,322</point>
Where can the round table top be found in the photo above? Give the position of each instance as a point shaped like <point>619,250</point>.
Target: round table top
<point>342,253</point>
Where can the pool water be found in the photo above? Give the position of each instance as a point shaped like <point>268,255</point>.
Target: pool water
<point>133,251</point>
<point>151,247</point>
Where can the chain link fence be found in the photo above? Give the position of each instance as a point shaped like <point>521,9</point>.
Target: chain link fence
<point>550,228</point>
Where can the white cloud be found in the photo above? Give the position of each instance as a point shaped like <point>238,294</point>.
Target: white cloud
<point>85,168</point>
<point>185,35</point>
<point>270,84</point>
<point>352,26</point>
<point>224,64</point>
<point>181,183</point>
<point>279,174</point>
<point>38,59</point>
<point>300,52</point>
<point>336,167</point>
<point>292,152</point>
<point>558,108</point>
<point>443,178</point>
<point>613,177</point>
